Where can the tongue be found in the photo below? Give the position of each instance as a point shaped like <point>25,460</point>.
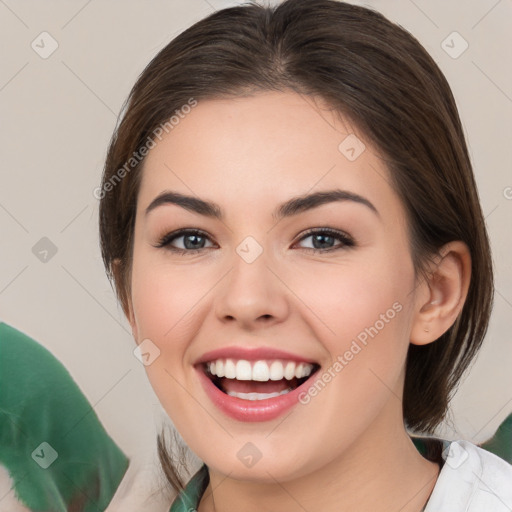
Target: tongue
<point>251,386</point>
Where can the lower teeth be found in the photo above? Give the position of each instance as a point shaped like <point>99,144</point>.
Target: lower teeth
<point>258,396</point>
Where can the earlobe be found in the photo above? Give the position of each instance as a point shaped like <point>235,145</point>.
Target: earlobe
<point>443,294</point>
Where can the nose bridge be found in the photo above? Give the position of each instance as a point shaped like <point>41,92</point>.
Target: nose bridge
<point>251,290</point>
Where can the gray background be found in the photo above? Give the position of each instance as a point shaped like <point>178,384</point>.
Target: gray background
<point>58,114</point>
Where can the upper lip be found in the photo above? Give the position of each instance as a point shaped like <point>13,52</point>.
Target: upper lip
<point>251,354</point>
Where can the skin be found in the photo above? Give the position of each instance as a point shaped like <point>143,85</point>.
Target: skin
<point>347,448</point>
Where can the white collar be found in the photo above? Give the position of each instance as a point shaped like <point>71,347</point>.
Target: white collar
<point>471,480</point>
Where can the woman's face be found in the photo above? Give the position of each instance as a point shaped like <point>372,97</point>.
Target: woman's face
<point>256,278</point>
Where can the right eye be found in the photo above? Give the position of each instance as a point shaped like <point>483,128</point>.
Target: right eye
<point>192,241</point>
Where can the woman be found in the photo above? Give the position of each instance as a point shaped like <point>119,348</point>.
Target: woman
<point>291,220</point>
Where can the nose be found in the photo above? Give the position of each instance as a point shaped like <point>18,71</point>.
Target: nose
<point>252,295</point>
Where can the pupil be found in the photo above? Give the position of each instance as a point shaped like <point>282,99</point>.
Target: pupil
<point>193,237</point>
<point>322,239</point>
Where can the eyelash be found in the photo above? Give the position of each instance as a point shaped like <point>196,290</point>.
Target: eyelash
<point>346,240</point>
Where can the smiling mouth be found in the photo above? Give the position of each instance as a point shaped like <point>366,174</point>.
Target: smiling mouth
<point>258,380</point>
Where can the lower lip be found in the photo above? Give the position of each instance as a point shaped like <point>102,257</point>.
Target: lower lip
<point>250,410</point>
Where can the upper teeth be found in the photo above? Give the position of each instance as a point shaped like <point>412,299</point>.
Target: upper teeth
<point>258,370</point>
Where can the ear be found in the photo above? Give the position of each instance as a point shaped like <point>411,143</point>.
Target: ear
<point>126,304</point>
<point>441,297</point>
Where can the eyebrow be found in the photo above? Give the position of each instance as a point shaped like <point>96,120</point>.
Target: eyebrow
<point>289,208</point>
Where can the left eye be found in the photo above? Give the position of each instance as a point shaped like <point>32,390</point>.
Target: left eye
<point>194,240</point>
<point>323,238</point>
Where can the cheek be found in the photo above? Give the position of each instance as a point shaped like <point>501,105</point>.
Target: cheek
<point>165,297</point>
<point>363,321</point>
<point>348,298</point>
<point>165,302</point>
<point>360,312</point>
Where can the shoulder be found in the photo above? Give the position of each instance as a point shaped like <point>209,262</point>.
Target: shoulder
<point>471,480</point>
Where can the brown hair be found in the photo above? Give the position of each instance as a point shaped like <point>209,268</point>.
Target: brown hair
<point>379,77</point>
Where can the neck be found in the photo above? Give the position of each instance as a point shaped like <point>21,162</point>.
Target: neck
<point>371,475</point>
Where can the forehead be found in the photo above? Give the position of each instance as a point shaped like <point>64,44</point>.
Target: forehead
<point>265,147</point>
